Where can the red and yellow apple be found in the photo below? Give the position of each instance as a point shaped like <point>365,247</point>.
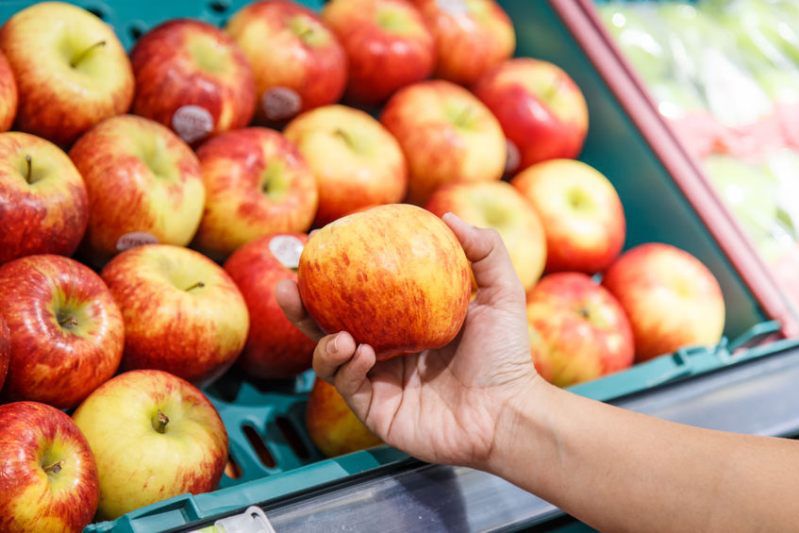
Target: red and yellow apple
<point>497,205</point>
<point>447,136</point>
<point>257,183</point>
<point>670,297</point>
<point>8,95</point>
<point>70,68</point>
<point>153,436</point>
<point>541,109</point>
<point>581,211</point>
<point>393,276</point>
<point>387,43</point>
<point>275,348</point>
<point>44,207</point>
<point>66,332</point>
<point>191,77</point>
<point>357,163</point>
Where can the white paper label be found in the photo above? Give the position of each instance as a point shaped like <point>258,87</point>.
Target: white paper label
<point>280,103</point>
<point>192,123</point>
<point>286,249</point>
<point>455,8</point>
<point>134,239</point>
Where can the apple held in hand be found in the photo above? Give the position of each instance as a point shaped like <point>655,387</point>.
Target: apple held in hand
<point>172,438</point>
<point>191,77</point>
<point>357,163</point>
<point>144,185</point>
<point>541,109</point>
<point>44,207</point>
<point>70,68</point>
<point>256,183</point>
<point>296,60</point>
<point>332,425</point>
<point>447,136</point>
<point>8,94</point>
<point>670,297</point>
<point>582,214</point>
<point>499,206</point>
<point>66,332</point>
<point>393,276</point>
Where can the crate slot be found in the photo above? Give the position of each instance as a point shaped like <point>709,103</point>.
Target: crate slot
<point>292,437</point>
<point>219,6</point>
<point>258,445</point>
<point>136,30</point>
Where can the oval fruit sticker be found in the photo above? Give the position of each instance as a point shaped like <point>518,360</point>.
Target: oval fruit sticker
<point>134,239</point>
<point>286,249</point>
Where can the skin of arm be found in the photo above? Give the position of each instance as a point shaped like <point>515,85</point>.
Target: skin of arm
<point>478,402</point>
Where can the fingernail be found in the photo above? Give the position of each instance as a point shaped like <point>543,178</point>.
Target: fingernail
<point>332,346</point>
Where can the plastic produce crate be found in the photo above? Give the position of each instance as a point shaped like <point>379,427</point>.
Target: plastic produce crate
<point>272,456</point>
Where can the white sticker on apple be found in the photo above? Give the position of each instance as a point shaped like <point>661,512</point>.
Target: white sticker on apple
<point>192,123</point>
<point>286,249</point>
<point>280,103</point>
<point>134,239</point>
<point>455,8</point>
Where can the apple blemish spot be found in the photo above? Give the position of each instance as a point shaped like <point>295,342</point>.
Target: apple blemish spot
<point>455,8</point>
<point>134,239</point>
<point>286,249</point>
<point>192,123</point>
<point>280,103</point>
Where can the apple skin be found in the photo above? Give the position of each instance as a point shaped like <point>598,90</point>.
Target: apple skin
<point>8,95</point>
<point>582,214</point>
<point>670,297</point>
<point>57,101</point>
<point>140,177</point>
<point>369,168</point>
<point>183,314</point>
<point>579,332</point>
<point>541,109</point>
<point>393,276</point>
<point>123,414</point>
<point>66,331</point>
<point>447,136</point>
<point>332,425</point>
<point>275,349</point>
<point>5,350</point>
<point>48,215</point>
<point>191,63</point>
<point>497,205</point>
<point>387,43</point>
<point>297,62</point>
<point>472,37</point>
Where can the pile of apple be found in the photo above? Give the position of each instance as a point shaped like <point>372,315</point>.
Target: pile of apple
<point>115,307</point>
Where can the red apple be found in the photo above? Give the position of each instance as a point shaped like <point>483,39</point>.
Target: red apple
<point>579,331</point>
<point>44,207</point>
<point>70,68</point>
<point>192,77</point>
<point>275,348</point>
<point>154,436</point>
<point>256,183</point>
<point>144,185</point>
<point>369,166</point>
<point>472,37</point>
<point>670,297</point>
<point>394,276</point>
<point>297,62</point>
<point>49,480</point>
<point>387,43</point>
<point>447,136</point>
<point>66,331</point>
<point>5,350</point>
<point>581,211</point>
<point>541,109</point>
<point>182,312</point>
<point>8,95</point>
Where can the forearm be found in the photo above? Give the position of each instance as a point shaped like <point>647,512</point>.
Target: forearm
<point>619,470</point>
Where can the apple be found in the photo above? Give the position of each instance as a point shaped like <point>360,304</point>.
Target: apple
<point>540,108</point>
<point>499,206</point>
<point>579,331</point>
<point>387,43</point>
<point>8,94</point>
<point>144,184</point>
<point>44,207</point>
<point>447,136</point>
<point>5,350</point>
<point>472,37</point>
<point>66,332</point>
<point>172,438</point>
<point>393,276</point>
<point>182,312</point>
<point>192,77</point>
<point>70,68</point>
<point>275,348</point>
<point>581,211</point>
<point>297,62</point>
<point>256,183</point>
<point>356,161</point>
<point>49,480</point>
<point>670,297</point>
<point>332,425</point>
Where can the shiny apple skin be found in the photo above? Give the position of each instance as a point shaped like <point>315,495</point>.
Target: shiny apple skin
<point>5,350</point>
<point>9,97</point>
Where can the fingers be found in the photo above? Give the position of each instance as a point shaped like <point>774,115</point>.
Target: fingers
<point>342,363</point>
<point>331,352</point>
<point>288,298</point>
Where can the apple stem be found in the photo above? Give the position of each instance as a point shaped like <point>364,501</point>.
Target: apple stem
<point>77,61</point>
<point>67,321</point>
<point>54,468</point>
<point>160,420</point>
<point>346,137</point>
<point>29,161</point>
<point>463,117</point>
<point>553,88</point>
<point>198,285</point>
<point>584,313</point>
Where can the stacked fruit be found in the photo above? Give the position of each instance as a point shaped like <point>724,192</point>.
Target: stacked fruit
<point>136,195</point>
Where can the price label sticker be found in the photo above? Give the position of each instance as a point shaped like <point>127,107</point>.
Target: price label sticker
<point>280,103</point>
<point>134,239</point>
<point>192,123</point>
<point>286,249</point>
